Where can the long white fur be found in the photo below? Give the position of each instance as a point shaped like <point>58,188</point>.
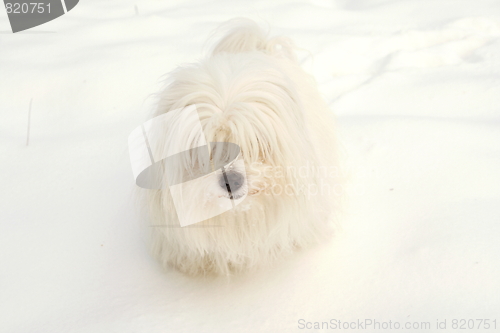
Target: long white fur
<point>251,91</point>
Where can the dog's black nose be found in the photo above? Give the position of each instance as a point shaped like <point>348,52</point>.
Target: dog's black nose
<point>231,181</point>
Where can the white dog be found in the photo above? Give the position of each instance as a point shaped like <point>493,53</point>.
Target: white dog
<point>251,91</point>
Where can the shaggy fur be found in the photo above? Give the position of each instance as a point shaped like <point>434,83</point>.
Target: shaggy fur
<point>251,91</point>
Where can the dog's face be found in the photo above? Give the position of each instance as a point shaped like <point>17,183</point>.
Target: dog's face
<point>248,102</point>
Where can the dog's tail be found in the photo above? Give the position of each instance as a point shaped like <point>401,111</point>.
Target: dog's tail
<point>244,35</point>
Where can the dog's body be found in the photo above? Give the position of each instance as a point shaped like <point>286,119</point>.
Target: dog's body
<point>251,91</point>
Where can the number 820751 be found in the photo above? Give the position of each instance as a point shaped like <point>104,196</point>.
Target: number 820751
<point>27,7</point>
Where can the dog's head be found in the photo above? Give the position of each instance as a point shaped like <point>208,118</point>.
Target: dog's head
<point>251,95</point>
<point>247,100</point>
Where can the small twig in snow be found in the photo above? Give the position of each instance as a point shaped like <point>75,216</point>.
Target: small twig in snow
<point>29,122</point>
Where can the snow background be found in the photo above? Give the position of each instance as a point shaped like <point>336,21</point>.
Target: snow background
<point>416,88</point>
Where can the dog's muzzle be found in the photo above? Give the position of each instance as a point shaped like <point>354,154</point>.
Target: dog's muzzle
<point>171,150</point>
<point>231,181</point>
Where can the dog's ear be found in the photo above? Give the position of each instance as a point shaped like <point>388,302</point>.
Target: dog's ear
<point>244,35</point>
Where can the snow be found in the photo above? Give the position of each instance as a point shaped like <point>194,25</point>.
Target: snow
<point>416,88</point>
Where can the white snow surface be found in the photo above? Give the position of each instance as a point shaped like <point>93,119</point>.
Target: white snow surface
<point>415,85</point>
